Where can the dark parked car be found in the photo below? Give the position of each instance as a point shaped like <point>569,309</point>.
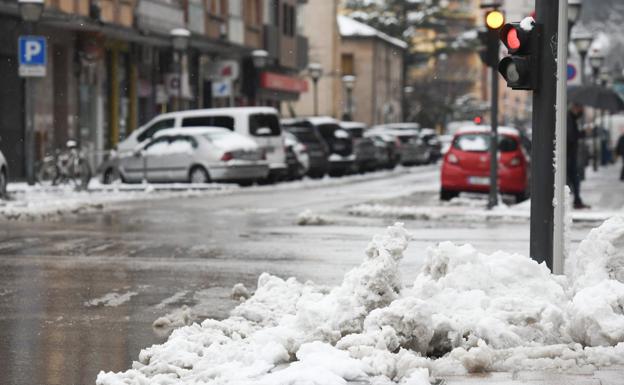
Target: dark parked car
<point>341,157</point>
<point>364,147</point>
<point>318,150</point>
<point>386,149</point>
<point>431,139</point>
<point>411,148</point>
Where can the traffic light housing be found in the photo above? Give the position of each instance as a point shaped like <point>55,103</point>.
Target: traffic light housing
<point>520,68</point>
<point>488,37</point>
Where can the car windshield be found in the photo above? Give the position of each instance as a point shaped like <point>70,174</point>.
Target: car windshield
<point>305,135</point>
<point>328,131</point>
<point>480,142</point>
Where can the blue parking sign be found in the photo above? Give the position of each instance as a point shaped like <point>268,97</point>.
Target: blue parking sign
<point>32,56</point>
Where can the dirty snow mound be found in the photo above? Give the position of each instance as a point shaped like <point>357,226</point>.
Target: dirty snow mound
<point>240,292</point>
<point>180,317</point>
<point>466,312</point>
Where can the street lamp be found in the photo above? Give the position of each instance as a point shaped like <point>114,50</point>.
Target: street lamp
<point>315,70</point>
<point>180,41</point>
<point>574,11</point>
<point>30,11</point>
<point>583,42</point>
<point>260,59</point>
<point>596,61</point>
<point>349,82</point>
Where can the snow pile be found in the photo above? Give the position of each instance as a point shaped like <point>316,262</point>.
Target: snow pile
<point>177,318</point>
<point>466,312</point>
<point>308,218</point>
<point>240,292</point>
<point>597,273</point>
<point>111,299</point>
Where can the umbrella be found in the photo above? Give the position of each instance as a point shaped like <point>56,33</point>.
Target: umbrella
<point>595,96</point>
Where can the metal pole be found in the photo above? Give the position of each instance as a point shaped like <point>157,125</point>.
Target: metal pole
<point>493,200</point>
<point>179,107</point>
<point>583,77</point>
<point>349,104</point>
<point>544,119</point>
<point>29,120</point>
<point>561,142</point>
<point>29,135</point>
<point>315,96</point>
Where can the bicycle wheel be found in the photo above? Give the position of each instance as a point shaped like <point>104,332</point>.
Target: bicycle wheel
<point>81,174</point>
<point>47,173</point>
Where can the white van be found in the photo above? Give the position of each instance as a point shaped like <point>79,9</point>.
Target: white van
<point>261,123</point>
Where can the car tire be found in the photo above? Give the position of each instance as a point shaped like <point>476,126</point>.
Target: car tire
<point>522,197</point>
<point>109,176</point>
<point>198,174</point>
<point>447,195</point>
<point>3,184</point>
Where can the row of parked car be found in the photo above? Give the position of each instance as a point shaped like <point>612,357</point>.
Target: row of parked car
<point>251,144</point>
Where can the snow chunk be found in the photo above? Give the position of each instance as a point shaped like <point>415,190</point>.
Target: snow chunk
<point>111,299</point>
<point>240,292</point>
<point>308,218</point>
<point>527,24</point>
<point>178,318</point>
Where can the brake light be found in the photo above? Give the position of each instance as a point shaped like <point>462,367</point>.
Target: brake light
<point>264,156</point>
<point>515,161</point>
<point>452,159</point>
<point>227,156</point>
<point>397,141</point>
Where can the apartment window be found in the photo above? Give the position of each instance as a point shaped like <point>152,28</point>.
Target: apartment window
<point>348,64</point>
<point>217,7</point>
<point>253,14</point>
<point>275,7</point>
<point>289,22</point>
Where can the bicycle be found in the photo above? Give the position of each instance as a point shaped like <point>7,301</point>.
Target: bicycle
<point>69,166</point>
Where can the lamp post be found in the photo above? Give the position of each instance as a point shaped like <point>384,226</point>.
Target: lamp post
<point>30,11</point>
<point>349,82</point>
<point>574,13</point>
<point>180,41</point>
<point>260,60</point>
<point>315,70</point>
<point>583,42</point>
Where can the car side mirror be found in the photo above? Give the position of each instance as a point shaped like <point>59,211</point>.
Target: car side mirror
<point>263,131</point>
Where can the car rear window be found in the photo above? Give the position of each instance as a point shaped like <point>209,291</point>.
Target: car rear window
<point>481,143</point>
<point>328,130</point>
<point>270,121</point>
<point>209,121</point>
<point>305,135</point>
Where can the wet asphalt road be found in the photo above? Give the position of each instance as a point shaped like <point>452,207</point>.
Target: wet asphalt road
<point>152,257</point>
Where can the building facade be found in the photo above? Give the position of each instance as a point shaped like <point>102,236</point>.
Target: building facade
<point>376,62</point>
<point>111,66</point>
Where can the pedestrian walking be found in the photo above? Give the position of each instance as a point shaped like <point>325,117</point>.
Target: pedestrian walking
<point>574,136</point>
<point>619,151</point>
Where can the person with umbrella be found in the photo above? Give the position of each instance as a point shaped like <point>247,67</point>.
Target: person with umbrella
<point>619,151</point>
<point>574,135</point>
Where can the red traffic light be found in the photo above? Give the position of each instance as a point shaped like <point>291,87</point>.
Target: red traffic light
<point>514,37</point>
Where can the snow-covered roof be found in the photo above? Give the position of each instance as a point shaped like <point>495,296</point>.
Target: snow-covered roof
<point>190,131</point>
<point>353,28</point>
<point>480,129</point>
<point>351,125</point>
<point>316,120</point>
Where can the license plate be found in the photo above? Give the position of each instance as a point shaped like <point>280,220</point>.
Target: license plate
<point>479,180</point>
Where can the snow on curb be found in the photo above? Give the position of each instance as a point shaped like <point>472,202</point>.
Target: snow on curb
<point>465,312</point>
<point>464,212</point>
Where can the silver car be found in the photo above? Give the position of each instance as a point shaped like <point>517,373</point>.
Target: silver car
<point>195,155</point>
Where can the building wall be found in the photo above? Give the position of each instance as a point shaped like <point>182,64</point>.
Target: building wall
<point>324,41</point>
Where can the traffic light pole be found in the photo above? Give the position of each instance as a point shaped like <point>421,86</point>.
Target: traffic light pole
<point>493,201</point>
<point>544,122</point>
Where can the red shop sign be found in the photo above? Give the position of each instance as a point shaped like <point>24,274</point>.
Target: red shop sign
<point>273,81</point>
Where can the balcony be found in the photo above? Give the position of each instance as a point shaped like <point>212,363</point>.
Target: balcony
<point>253,37</point>
<point>80,7</point>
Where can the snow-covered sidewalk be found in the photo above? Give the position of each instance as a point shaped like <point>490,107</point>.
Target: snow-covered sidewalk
<point>466,312</point>
<point>48,202</point>
<point>602,190</point>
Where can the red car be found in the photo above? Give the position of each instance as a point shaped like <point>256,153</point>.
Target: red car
<point>466,166</point>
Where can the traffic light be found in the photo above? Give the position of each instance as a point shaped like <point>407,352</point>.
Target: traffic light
<point>488,37</point>
<point>520,68</point>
